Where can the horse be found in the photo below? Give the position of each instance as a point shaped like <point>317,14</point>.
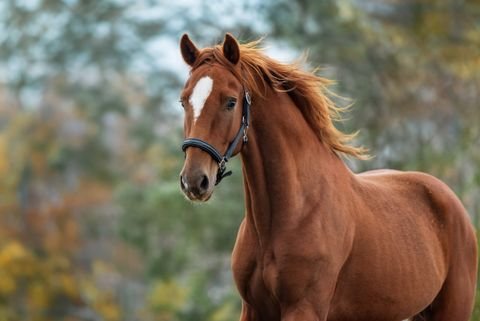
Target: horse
<point>318,242</point>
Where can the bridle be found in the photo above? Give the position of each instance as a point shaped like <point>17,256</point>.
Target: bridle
<point>213,152</point>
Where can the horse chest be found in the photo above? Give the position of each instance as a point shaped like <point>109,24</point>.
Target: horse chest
<point>255,275</point>
<point>262,280</point>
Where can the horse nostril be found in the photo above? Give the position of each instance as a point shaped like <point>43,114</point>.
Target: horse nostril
<point>204,184</point>
<point>182,183</point>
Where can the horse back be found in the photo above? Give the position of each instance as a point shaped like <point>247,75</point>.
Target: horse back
<point>420,195</point>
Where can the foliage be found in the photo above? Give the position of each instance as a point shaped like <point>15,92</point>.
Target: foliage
<point>93,225</point>
<point>413,71</point>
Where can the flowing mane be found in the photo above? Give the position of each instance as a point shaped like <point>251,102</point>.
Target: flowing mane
<point>307,90</point>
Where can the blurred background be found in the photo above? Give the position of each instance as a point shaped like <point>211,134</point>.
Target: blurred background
<point>93,225</point>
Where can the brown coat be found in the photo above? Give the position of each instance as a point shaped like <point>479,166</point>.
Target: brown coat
<point>319,242</point>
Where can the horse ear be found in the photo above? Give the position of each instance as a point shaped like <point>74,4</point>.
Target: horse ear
<point>231,49</point>
<point>189,50</point>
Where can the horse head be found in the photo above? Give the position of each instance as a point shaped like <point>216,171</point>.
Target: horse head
<point>216,106</point>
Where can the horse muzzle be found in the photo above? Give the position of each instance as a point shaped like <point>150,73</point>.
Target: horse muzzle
<point>196,185</point>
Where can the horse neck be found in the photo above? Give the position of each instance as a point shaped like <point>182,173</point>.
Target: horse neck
<point>288,172</point>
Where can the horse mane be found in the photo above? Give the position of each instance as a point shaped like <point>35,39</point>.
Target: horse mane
<point>307,90</point>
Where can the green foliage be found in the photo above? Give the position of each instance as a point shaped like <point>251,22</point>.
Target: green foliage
<point>93,225</point>
<point>405,65</point>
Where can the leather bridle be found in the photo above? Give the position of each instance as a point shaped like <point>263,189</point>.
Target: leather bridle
<point>213,152</point>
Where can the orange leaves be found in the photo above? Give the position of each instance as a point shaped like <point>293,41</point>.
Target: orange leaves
<point>42,278</point>
<point>40,231</point>
<point>16,263</point>
<point>14,253</point>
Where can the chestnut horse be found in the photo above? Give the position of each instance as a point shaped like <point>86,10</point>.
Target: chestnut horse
<point>318,242</point>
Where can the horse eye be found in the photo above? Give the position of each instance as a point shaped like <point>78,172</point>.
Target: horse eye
<point>231,103</point>
<point>181,103</point>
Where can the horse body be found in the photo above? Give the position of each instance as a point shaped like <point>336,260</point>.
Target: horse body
<point>400,255</point>
<point>318,242</point>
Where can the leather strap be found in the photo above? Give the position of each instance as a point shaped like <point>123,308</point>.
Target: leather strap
<point>206,147</point>
<point>213,152</point>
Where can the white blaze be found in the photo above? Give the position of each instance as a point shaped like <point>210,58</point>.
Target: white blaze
<point>199,96</point>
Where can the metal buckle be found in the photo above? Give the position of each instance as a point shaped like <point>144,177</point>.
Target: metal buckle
<point>245,137</point>
<point>244,120</point>
<point>222,164</point>
<point>247,98</point>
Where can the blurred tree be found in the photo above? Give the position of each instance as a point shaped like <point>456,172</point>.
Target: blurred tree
<point>92,223</point>
<point>413,71</point>
<point>39,231</point>
<point>83,116</point>
<point>70,124</point>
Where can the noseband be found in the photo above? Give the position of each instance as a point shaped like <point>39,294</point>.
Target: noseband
<point>213,152</point>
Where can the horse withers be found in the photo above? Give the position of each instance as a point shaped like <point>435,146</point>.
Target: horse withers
<point>318,242</point>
